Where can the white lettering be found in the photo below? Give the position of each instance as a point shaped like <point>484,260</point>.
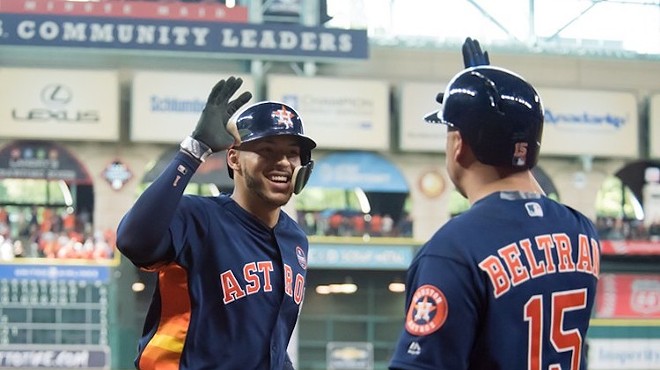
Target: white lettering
<point>268,40</point>
<point>308,41</point>
<point>229,39</point>
<point>164,37</point>
<point>25,29</point>
<point>146,34</point>
<point>345,43</point>
<point>75,32</point>
<point>327,42</point>
<point>180,34</point>
<point>200,34</point>
<point>288,40</point>
<point>125,33</point>
<point>249,38</point>
<point>49,30</point>
<point>101,32</point>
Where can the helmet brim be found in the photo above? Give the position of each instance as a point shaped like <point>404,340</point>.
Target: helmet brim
<point>433,117</point>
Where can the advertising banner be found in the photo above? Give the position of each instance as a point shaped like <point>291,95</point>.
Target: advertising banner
<point>275,40</point>
<point>39,159</point>
<point>365,170</point>
<point>590,122</point>
<point>59,104</point>
<point>46,356</point>
<point>626,296</point>
<point>624,354</point>
<point>375,257</point>
<point>654,126</point>
<point>338,114</point>
<point>416,135</point>
<point>165,106</point>
<point>211,11</point>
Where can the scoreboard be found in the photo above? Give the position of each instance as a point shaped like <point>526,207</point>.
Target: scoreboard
<point>54,316</point>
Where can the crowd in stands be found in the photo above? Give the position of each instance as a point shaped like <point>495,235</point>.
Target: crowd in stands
<point>56,233</point>
<point>616,228</point>
<point>52,233</point>
<point>354,223</point>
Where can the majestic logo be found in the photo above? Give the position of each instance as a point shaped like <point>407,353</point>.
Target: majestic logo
<point>414,349</point>
<point>302,259</point>
<point>283,117</point>
<point>428,311</point>
<point>56,95</point>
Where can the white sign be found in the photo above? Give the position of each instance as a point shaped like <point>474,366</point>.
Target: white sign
<point>654,126</point>
<point>589,122</point>
<point>415,134</point>
<point>338,114</point>
<point>165,106</point>
<point>59,104</point>
<point>624,354</point>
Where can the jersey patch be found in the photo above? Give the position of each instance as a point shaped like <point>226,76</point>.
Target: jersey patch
<point>302,259</point>
<point>428,311</point>
<point>534,209</point>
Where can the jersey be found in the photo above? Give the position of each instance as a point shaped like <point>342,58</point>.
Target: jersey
<point>229,288</point>
<point>509,284</point>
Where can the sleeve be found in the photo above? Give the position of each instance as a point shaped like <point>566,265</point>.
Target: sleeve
<point>441,317</point>
<point>143,233</point>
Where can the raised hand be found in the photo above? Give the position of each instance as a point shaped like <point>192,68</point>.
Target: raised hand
<point>473,55</point>
<point>213,127</point>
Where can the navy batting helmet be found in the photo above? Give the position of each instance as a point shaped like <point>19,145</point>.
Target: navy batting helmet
<point>271,118</point>
<point>497,112</point>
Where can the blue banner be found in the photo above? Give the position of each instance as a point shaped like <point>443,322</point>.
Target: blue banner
<point>55,272</point>
<point>366,170</point>
<point>279,41</point>
<point>53,356</point>
<point>371,257</point>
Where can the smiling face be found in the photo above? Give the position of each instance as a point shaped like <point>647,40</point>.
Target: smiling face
<point>264,168</point>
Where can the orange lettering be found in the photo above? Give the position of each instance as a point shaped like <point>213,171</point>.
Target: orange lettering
<point>232,291</point>
<point>498,277</point>
<point>564,252</point>
<point>584,263</point>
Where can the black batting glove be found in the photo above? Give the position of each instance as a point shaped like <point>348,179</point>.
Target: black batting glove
<point>213,127</point>
<point>472,54</point>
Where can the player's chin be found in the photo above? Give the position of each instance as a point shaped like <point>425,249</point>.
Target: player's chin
<point>280,192</point>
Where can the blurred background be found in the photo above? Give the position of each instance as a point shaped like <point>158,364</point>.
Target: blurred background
<point>96,95</point>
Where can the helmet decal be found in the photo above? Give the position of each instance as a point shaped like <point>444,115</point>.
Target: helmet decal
<point>283,117</point>
<point>497,112</point>
<point>272,118</point>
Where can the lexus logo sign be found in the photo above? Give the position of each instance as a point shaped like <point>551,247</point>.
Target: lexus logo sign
<point>56,95</point>
<point>57,108</point>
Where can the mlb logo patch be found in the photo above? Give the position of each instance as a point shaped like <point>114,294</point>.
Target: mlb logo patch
<point>534,209</point>
<point>302,259</point>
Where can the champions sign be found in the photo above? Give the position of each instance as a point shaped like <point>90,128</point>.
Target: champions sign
<point>174,34</point>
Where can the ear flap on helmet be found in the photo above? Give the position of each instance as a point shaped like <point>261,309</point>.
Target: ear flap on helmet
<point>301,175</point>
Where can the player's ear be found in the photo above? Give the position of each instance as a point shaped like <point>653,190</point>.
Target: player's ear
<point>455,145</point>
<point>232,159</point>
<point>460,149</point>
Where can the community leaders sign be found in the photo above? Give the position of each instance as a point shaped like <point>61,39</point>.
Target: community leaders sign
<point>281,41</point>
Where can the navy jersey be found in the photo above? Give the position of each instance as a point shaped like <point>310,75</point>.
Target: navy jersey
<point>229,288</point>
<point>507,285</point>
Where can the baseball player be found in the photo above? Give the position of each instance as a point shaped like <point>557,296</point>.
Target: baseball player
<point>510,283</point>
<point>231,269</point>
